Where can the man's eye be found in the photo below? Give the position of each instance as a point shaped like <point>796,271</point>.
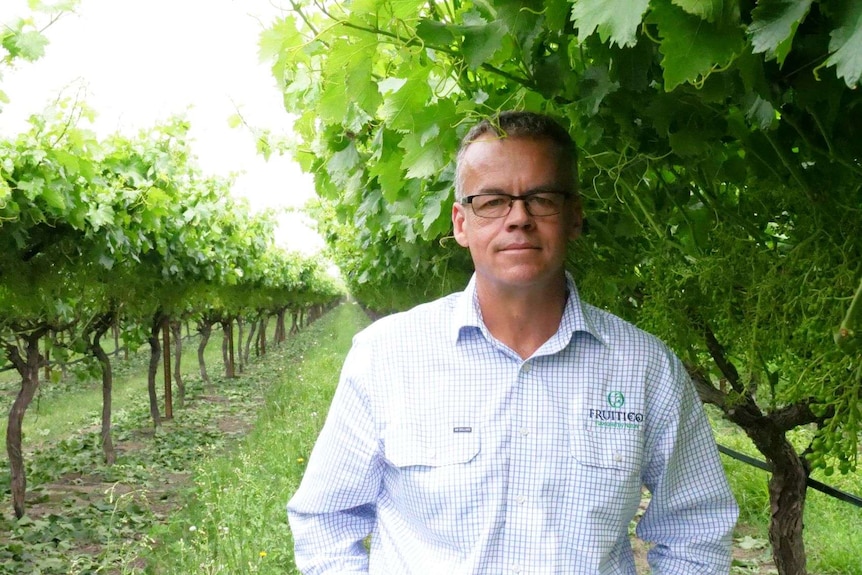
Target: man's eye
<point>543,201</point>
<point>495,201</point>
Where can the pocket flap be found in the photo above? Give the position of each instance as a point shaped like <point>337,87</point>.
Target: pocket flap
<point>612,449</point>
<point>405,447</point>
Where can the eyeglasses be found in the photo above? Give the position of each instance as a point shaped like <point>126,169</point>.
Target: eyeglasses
<point>538,204</point>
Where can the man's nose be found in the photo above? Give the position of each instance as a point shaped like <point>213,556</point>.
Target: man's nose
<point>518,215</point>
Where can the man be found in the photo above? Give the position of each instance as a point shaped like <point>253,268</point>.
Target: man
<point>510,428</point>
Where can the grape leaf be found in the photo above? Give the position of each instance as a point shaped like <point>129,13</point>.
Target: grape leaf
<point>481,42</point>
<point>31,188</point>
<point>388,171</point>
<point>616,20</point>
<point>523,19</point>
<point>100,215</point>
<point>67,160</point>
<point>342,163</point>
<point>709,10</point>
<point>399,106</point>
<point>688,142</point>
<point>380,12</point>
<point>594,87</point>
<point>280,39</point>
<point>54,198</point>
<point>437,221</point>
<point>692,47</point>
<point>846,46</point>
<point>435,33</point>
<point>27,45</point>
<point>333,104</point>
<point>431,213</point>
<point>5,191</point>
<point>347,78</point>
<point>421,160</point>
<point>774,23</point>
<point>761,112</point>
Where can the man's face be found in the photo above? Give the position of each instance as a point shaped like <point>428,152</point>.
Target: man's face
<point>518,251</point>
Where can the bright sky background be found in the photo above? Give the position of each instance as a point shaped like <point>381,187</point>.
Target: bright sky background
<point>142,61</point>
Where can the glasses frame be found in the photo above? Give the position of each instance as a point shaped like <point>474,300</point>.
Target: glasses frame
<point>512,199</point>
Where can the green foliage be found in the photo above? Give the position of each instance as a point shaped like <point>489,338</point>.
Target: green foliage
<point>719,167</point>
<point>22,39</point>
<point>133,220</point>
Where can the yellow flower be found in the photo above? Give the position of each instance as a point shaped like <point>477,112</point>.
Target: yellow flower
<point>262,554</point>
<point>300,460</point>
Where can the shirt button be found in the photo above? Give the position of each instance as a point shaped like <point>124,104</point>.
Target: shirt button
<point>526,368</point>
<point>521,499</point>
<point>618,457</point>
<point>516,568</point>
<point>525,432</point>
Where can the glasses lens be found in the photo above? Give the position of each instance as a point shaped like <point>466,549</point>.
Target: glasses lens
<point>499,205</point>
<point>491,205</point>
<point>544,204</point>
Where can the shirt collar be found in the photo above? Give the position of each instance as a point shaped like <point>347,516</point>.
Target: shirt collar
<point>575,316</point>
<point>467,314</point>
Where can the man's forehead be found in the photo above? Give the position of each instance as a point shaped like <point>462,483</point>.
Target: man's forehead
<point>486,149</point>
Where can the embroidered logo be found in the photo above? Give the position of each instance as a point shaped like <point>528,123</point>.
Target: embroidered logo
<point>616,417</point>
<point>616,399</point>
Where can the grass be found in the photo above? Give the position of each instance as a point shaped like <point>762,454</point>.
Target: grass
<point>237,522</point>
<point>84,517</point>
<point>207,493</point>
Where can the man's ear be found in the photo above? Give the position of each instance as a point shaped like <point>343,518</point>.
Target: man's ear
<point>459,223</point>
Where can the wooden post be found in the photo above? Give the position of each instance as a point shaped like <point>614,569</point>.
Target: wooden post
<point>48,358</point>
<point>166,351</point>
<point>230,350</point>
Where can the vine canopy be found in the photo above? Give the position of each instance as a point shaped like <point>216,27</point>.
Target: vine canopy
<point>720,164</point>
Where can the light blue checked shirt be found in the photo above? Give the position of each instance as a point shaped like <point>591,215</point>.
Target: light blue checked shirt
<point>459,457</point>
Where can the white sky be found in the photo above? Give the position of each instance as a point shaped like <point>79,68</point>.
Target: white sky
<point>141,61</point>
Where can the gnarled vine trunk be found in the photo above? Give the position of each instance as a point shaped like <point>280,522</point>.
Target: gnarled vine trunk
<point>227,349</point>
<point>262,339</point>
<point>768,431</point>
<point>294,327</point>
<point>252,330</point>
<point>101,328</point>
<point>177,334</point>
<point>155,356</point>
<point>28,368</point>
<point>240,323</point>
<point>205,328</point>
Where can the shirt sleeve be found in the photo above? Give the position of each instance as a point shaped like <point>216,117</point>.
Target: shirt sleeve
<point>692,512</point>
<point>334,509</point>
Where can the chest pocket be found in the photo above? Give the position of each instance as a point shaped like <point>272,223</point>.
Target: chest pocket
<point>412,447</point>
<point>616,449</point>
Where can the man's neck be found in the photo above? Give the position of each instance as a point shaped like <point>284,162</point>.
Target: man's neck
<point>524,319</point>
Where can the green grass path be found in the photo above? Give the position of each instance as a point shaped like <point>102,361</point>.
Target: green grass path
<point>236,523</point>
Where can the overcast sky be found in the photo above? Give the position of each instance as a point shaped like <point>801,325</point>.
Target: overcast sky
<point>141,61</point>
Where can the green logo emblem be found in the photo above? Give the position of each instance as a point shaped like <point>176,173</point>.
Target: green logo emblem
<point>616,399</point>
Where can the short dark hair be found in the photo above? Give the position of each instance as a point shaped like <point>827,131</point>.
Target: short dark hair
<point>512,124</point>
